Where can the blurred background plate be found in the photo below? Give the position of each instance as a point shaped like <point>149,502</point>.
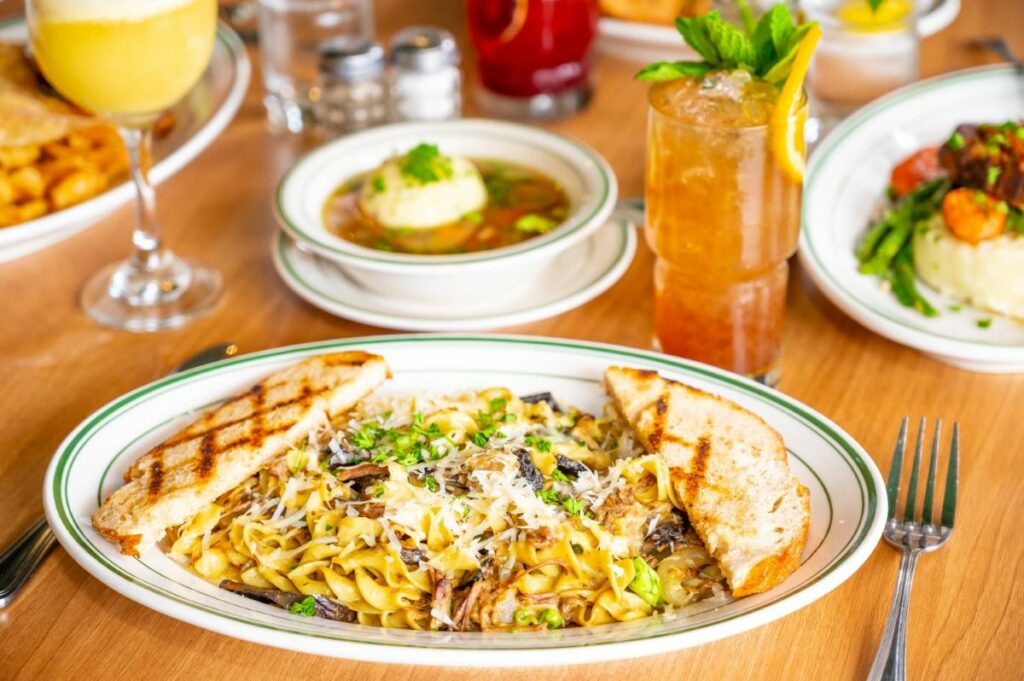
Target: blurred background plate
<point>642,43</point>
<point>199,118</point>
<point>581,274</point>
<point>846,180</point>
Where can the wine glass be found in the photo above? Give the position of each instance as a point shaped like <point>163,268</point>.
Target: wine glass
<point>128,62</point>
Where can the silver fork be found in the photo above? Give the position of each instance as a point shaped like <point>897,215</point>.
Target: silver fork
<point>915,534</point>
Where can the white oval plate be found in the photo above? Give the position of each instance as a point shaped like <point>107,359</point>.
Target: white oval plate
<point>846,179</point>
<point>848,508</point>
<point>642,42</point>
<point>577,277</point>
<point>200,117</point>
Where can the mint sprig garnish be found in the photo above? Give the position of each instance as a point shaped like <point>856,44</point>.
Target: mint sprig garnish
<point>767,51</point>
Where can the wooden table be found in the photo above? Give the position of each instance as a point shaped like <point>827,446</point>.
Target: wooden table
<point>967,616</point>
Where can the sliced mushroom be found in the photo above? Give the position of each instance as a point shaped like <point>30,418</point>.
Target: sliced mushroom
<point>322,606</point>
<point>570,466</point>
<point>363,470</point>
<point>542,397</point>
<point>528,470</point>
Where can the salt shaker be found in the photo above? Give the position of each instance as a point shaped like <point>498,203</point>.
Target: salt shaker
<point>351,91</point>
<point>426,84</point>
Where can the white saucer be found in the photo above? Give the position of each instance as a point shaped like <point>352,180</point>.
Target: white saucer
<point>579,275</point>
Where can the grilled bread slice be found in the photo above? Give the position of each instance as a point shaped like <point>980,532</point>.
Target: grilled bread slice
<point>729,470</point>
<point>176,479</point>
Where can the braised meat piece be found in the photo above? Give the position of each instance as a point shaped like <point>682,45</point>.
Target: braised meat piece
<point>989,158</point>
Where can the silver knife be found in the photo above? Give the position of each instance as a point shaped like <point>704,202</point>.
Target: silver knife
<point>20,560</point>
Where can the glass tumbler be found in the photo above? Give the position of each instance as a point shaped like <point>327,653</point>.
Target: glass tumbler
<point>863,54</point>
<point>722,219</point>
<point>291,33</point>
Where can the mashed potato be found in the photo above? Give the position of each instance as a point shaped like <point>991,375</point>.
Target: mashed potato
<point>422,189</point>
<point>989,276</point>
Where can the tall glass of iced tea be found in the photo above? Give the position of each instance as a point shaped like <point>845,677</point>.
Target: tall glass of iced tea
<point>722,218</point>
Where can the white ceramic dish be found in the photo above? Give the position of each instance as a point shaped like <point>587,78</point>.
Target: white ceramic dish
<point>200,117</point>
<point>644,43</point>
<point>492,275</point>
<point>577,277</point>
<point>847,500</point>
<point>846,179</point>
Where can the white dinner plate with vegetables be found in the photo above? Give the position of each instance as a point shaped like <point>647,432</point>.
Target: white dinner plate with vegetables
<point>847,506</point>
<point>197,121</point>
<point>913,221</point>
<point>578,277</point>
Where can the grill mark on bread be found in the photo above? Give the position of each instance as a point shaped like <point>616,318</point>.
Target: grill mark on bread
<point>308,394</point>
<point>207,452</point>
<point>661,405</point>
<point>156,475</point>
<point>695,479</point>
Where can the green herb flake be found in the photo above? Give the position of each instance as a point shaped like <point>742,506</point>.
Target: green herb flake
<point>540,443</point>
<point>497,404</point>
<point>955,308</point>
<point>646,584</point>
<point>328,528</point>
<point>992,174</point>
<point>560,476</point>
<point>378,490</point>
<point>474,218</point>
<point>306,607</point>
<point>431,484</point>
<point>955,141</point>
<point>378,184</point>
<point>550,496</point>
<point>985,323</point>
<point>572,506</point>
<point>531,223</point>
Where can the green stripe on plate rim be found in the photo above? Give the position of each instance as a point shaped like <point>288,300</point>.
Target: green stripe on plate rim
<point>852,125</point>
<point>282,252</point>
<point>486,256</point>
<point>852,458</point>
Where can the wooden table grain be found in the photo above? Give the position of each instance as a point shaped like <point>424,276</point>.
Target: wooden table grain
<point>967,612</point>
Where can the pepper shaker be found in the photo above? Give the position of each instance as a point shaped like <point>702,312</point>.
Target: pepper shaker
<point>351,92</point>
<point>426,84</point>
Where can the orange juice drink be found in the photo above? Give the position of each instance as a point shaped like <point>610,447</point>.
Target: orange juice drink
<point>722,217</point>
<point>123,59</point>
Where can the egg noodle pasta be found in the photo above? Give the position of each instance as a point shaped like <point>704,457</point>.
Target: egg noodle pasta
<point>480,511</point>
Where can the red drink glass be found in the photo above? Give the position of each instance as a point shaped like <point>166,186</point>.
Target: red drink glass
<point>533,55</point>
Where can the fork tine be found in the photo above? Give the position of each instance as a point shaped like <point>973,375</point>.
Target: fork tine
<point>929,488</point>
<point>952,474</point>
<point>892,486</point>
<point>915,470</point>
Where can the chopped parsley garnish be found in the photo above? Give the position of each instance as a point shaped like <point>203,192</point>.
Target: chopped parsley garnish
<point>542,444</point>
<point>424,163</point>
<point>985,323</point>
<point>955,141</point>
<point>1015,220</point>
<point>550,617</point>
<point>408,446</point>
<point>378,184</point>
<point>497,404</point>
<point>306,607</point>
<point>572,506</point>
<point>559,475</point>
<point>328,528</point>
<point>531,223</point>
<point>524,617</point>
<point>378,490</point>
<point>955,308</point>
<point>474,218</point>
<point>431,483</point>
<point>550,496</point>
<point>765,49</point>
<point>992,174</point>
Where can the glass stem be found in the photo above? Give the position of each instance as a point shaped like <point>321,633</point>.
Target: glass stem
<point>150,254</point>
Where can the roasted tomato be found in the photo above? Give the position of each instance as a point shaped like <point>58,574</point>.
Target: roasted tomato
<point>973,216</point>
<point>919,167</point>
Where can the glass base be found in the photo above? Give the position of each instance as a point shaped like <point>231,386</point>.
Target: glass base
<point>286,114</point>
<point>769,378</point>
<point>538,107</point>
<point>125,296</point>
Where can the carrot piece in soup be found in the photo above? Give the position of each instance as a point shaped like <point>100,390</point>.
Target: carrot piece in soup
<point>974,216</point>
